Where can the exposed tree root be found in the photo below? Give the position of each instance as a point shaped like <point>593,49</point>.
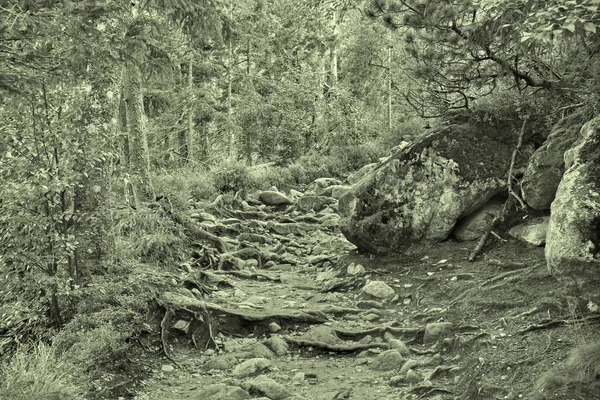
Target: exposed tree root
<point>559,322</point>
<point>379,331</point>
<point>163,332</point>
<point>338,348</point>
<point>250,275</point>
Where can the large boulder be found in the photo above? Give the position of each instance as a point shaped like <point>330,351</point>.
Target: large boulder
<point>546,166</point>
<point>573,237</point>
<point>415,198</point>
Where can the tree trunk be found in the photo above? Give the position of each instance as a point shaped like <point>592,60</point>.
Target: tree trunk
<point>389,91</point>
<point>139,168</point>
<point>190,114</point>
<point>231,130</point>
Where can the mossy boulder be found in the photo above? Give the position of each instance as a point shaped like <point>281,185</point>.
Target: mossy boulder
<point>546,167</point>
<point>415,198</point>
<point>573,237</point>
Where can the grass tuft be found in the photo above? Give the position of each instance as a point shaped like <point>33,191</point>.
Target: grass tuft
<point>38,373</point>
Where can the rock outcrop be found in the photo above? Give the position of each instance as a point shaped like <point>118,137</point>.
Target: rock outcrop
<point>415,198</point>
<point>546,166</point>
<point>573,237</point>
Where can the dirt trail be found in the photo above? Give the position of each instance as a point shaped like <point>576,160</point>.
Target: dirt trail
<point>456,329</point>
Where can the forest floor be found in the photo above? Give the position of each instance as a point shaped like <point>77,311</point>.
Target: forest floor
<point>453,329</point>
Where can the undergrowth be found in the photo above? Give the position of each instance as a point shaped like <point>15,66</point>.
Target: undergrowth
<point>39,373</point>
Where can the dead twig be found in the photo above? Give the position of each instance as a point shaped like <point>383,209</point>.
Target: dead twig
<point>163,329</point>
<point>509,185</point>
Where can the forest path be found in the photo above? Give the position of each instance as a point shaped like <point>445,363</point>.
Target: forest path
<point>305,328</point>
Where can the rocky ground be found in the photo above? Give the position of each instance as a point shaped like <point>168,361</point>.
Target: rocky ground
<point>292,311</point>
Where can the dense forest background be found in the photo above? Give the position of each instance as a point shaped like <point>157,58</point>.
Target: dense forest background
<point>108,105</point>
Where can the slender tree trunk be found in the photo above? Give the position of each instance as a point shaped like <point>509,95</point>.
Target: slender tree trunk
<point>333,54</point>
<point>139,168</point>
<point>230,127</point>
<point>190,114</point>
<point>389,91</point>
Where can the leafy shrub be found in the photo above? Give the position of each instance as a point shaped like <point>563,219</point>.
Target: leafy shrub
<point>233,176</point>
<point>185,184</point>
<point>97,350</point>
<point>38,373</point>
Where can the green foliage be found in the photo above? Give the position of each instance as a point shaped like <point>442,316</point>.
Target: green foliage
<point>38,373</point>
<point>97,350</point>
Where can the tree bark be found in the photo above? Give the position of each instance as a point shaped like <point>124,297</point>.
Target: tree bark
<point>139,167</point>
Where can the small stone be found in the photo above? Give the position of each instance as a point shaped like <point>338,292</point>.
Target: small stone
<point>412,376</point>
<point>371,317</point>
<point>279,346</point>
<point>378,290</point>
<point>368,304</point>
<point>269,388</point>
<point>408,365</point>
<point>400,346</point>
<point>220,363</point>
<point>274,327</point>
<point>167,368</point>
<point>322,334</point>
<point>251,367</point>
<point>209,352</point>
<point>298,378</point>
<point>355,269</point>
<point>436,330</point>
<point>273,198</point>
<point>220,391</point>
<point>387,361</point>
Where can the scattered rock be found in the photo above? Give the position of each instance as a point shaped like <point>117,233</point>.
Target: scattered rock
<point>475,224</point>
<point>272,198</point>
<point>221,363</point>
<point>167,368</point>
<point>387,361</point>
<point>269,388</point>
<point>321,186</point>
<point>259,350</point>
<point>573,238</point>
<point>253,366</point>
<point>314,203</point>
<point>532,232</point>
<point>322,334</point>
<point>547,166</point>
<point>274,327</point>
<point>355,269</point>
<point>436,330</point>
<point>367,304</point>
<point>412,376</point>
<point>399,345</point>
<point>277,345</point>
<point>221,391</point>
<point>408,365</point>
<point>377,290</point>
